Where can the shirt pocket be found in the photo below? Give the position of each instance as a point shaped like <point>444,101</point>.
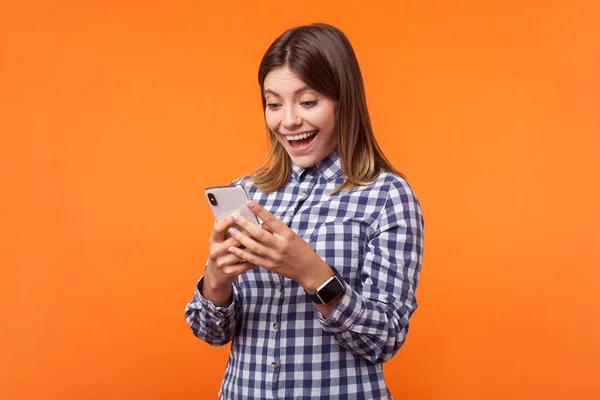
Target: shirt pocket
<point>341,245</point>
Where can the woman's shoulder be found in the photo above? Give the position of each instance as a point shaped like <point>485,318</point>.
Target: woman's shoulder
<point>400,199</point>
<point>390,192</point>
<point>392,185</point>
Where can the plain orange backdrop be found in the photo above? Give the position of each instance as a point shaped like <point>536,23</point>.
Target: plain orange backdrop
<point>114,116</point>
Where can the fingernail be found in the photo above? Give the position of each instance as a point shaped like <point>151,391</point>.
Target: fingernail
<point>251,204</point>
<point>233,231</point>
<point>236,217</point>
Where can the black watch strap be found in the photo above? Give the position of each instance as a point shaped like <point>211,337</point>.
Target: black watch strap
<point>329,290</point>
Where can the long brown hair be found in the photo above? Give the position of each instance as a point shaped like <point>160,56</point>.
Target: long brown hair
<point>323,58</point>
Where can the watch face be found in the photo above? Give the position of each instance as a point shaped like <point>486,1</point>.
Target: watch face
<point>331,290</point>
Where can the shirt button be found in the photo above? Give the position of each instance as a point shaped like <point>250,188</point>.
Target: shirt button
<point>273,364</point>
<point>275,326</point>
<point>280,288</point>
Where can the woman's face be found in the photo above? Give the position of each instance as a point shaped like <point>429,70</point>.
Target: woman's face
<point>302,119</point>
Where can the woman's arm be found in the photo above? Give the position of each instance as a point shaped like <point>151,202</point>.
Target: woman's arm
<point>212,312</point>
<point>209,322</point>
<point>373,321</point>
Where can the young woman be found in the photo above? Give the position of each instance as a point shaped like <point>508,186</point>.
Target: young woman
<point>316,300</point>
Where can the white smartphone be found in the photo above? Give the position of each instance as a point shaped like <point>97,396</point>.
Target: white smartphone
<point>225,200</point>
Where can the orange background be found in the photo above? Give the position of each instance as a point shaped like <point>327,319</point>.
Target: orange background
<point>114,117</point>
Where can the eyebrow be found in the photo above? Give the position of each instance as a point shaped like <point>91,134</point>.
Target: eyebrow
<point>301,89</point>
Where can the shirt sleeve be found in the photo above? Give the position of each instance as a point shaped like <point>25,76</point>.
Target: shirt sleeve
<point>372,320</point>
<point>215,325</point>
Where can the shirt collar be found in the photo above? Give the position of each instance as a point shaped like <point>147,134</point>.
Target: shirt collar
<point>329,168</point>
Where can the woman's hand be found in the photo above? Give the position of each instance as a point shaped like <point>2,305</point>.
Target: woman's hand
<point>279,249</point>
<point>223,267</point>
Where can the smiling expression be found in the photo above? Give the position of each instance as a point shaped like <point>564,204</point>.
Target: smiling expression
<point>302,119</point>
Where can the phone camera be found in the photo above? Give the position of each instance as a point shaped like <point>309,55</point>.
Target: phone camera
<point>212,199</point>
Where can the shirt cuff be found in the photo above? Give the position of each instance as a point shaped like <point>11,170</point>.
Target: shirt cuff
<point>210,307</point>
<point>345,313</point>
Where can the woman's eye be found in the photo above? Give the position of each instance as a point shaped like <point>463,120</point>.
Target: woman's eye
<point>273,106</point>
<point>309,104</point>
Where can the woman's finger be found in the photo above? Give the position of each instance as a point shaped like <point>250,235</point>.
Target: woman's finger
<point>220,249</point>
<point>249,243</point>
<point>250,257</point>
<point>227,260</point>
<point>220,228</point>
<point>268,219</point>
<point>252,230</point>
<point>238,269</point>
<point>230,242</point>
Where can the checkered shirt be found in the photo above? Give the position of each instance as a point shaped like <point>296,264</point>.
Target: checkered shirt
<point>281,346</point>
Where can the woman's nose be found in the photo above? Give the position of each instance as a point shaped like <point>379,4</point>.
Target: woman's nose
<point>291,120</point>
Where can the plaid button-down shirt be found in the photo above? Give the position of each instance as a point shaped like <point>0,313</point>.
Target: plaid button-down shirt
<point>282,347</point>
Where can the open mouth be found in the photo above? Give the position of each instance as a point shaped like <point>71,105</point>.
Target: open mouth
<point>301,140</point>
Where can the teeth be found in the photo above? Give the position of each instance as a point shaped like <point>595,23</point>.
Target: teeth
<point>301,136</point>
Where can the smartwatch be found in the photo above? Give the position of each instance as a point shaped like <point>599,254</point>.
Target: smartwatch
<point>329,290</point>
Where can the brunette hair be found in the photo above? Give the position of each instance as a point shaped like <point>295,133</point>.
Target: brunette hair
<point>323,58</point>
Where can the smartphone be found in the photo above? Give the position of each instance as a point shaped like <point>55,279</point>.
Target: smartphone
<point>225,200</point>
